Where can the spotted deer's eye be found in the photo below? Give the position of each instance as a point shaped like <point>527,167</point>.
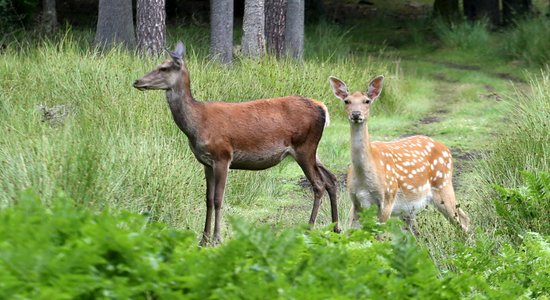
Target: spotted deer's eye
<point>367,101</point>
<point>347,102</point>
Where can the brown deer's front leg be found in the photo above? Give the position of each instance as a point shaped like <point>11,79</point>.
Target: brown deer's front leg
<point>210,191</point>
<point>220,174</point>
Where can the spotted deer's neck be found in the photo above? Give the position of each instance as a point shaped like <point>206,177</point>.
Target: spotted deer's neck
<point>361,153</point>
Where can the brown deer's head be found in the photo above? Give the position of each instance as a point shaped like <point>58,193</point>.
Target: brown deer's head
<point>166,75</point>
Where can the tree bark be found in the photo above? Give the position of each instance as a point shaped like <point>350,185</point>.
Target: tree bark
<point>275,15</point>
<point>513,10</point>
<point>49,17</point>
<point>151,27</point>
<point>446,9</point>
<point>479,9</point>
<point>294,29</point>
<point>115,24</point>
<point>221,30</point>
<point>253,41</point>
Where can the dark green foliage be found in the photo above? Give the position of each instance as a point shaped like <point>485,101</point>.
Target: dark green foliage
<point>526,208</point>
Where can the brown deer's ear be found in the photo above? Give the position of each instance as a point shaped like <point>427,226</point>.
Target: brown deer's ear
<point>179,52</point>
<point>339,88</point>
<point>375,87</point>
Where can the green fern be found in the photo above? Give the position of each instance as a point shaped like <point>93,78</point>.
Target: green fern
<point>525,208</point>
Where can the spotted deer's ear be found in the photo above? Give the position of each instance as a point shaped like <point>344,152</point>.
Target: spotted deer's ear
<point>375,87</point>
<point>339,88</point>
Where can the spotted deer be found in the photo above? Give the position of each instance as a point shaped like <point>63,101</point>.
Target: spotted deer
<point>400,177</point>
<point>252,135</point>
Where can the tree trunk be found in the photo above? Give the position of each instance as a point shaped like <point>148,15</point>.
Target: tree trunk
<point>151,26</point>
<point>253,41</point>
<point>479,9</point>
<point>275,15</point>
<point>294,29</point>
<point>515,9</point>
<point>221,30</point>
<point>49,17</point>
<point>446,9</point>
<point>115,24</point>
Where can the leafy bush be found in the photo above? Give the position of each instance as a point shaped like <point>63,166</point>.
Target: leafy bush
<point>66,252</point>
<point>526,208</point>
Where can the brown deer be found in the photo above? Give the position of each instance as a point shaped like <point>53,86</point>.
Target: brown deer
<point>252,135</point>
<point>399,177</point>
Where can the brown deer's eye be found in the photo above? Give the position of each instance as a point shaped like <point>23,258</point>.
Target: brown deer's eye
<point>163,69</point>
<point>347,101</point>
<point>367,101</point>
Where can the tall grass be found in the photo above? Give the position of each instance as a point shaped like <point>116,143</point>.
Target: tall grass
<point>529,41</point>
<point>119,147</point>
<point>463,35</point>
<point>523,145</point>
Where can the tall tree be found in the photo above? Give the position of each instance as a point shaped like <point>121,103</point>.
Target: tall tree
<point>253,41</point>
<point>294,29</point>
<point>221,30</point>
<point>115,24</point>
<point>49,17</point>
<point>151,26</point>
<point>446,9</point>
<point>275,16</point>
<point>480,9</point>
<point>515,9</point>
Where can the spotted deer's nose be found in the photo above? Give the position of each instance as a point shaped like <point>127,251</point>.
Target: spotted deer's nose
<point>355,115</point>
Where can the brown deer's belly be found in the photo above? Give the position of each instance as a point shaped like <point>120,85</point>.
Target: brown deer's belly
<point>258,160</point>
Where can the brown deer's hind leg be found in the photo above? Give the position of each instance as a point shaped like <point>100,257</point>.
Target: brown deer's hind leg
<point>308,163</point>
<point>331,185</point>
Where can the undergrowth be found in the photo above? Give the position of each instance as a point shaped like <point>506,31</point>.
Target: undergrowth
<point>65,252</point>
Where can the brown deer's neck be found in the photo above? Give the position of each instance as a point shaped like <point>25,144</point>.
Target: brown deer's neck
<point>361,152</point>
<point>185,110</point>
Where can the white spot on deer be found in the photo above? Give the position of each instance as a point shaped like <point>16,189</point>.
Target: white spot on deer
<point>441,160</point>
<point>388,167</point>
<point>414,172</point>
<point>435,162</point>
<point>445,154</point>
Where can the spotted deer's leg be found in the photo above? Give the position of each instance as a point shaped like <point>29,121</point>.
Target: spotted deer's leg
<point>445,201</point>
<point>386,207</point>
